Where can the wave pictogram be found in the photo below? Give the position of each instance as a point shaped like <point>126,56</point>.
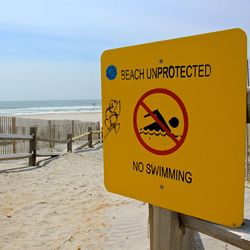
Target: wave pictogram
<point>148,132</point>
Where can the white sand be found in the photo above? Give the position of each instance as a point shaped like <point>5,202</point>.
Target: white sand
<point>64,205</point>
<point>82,116</point>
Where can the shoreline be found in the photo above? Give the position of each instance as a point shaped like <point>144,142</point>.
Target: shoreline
<point>81,116</point>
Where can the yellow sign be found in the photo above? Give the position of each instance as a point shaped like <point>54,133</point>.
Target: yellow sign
<point>174,120</point>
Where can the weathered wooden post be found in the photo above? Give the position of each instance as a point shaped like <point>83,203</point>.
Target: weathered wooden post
<point>33,146</point>
<point>73,128</point>
<point>13,131</point>
<point>101,134</point>
<point>90,137</point>
<point>50,133</point>
<point>69,143</point>
<point>167,232</point>
<point>98,127</point>
<point>53,133</point>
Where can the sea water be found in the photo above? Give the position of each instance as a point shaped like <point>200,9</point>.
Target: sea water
<point>13,108</point>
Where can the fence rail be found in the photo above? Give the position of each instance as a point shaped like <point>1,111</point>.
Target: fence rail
<point>51,140</point>
<point>15,156</point>
<point>15,137</point>
<point>79,136</point>
<point>89,136</point>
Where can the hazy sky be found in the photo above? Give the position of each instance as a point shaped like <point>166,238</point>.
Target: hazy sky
<point>50,49</point>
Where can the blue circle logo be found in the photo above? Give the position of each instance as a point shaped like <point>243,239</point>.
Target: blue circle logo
<point>111,72</point>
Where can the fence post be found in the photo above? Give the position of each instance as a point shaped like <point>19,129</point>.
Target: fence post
<point>98,127</point>
<point>13,131</point>
<point>69,143</point>
<point>101,134</point>
<point>90,137</point>
<point>50,133</point>
<point>73,128</point>
<point>53,133</point>
<point>166,231</point>
<point>33,146</point>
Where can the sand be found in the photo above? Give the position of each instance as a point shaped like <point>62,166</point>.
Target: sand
<point>63,204</point>
<point>82,116</point>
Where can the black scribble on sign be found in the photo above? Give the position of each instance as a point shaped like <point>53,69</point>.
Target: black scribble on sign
<point>112,114</point>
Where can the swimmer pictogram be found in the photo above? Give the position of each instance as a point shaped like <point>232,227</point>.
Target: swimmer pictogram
<point>155,129</point>
<point>160,121</point>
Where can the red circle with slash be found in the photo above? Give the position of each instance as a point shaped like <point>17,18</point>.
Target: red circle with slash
<point>141,103</point>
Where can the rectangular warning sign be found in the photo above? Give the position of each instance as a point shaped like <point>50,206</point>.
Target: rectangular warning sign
<point>174,120</point>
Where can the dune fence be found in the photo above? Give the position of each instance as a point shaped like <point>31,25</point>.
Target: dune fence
<point>52,137</point>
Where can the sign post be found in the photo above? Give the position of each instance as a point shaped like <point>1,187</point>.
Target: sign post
<point>167,232</point>
<point>174,115</point>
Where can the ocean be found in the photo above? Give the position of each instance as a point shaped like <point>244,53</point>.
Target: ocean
<point>14,108</point>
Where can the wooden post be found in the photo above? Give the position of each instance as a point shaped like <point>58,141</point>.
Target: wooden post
<point>53,134</point>
<point>14,132</point>
<point>102,134</point>
<point>33,144</point>
<point>167,232</point>
<point>90,137</point>
<point>50,133</point>
<point>73,128</point>
<point>69,144</point>
<point>98,127</point>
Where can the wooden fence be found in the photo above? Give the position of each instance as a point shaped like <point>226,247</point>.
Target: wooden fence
<point>15,137</point>
<point>33,139</point>
<point>53,130</point>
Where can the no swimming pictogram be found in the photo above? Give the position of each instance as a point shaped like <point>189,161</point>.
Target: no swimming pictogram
<point>160,121</point>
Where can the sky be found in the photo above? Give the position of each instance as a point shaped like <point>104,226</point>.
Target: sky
<point>50,49</point>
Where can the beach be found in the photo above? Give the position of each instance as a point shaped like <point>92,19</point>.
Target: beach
<point>81,116</point>
<point>63,204</point>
